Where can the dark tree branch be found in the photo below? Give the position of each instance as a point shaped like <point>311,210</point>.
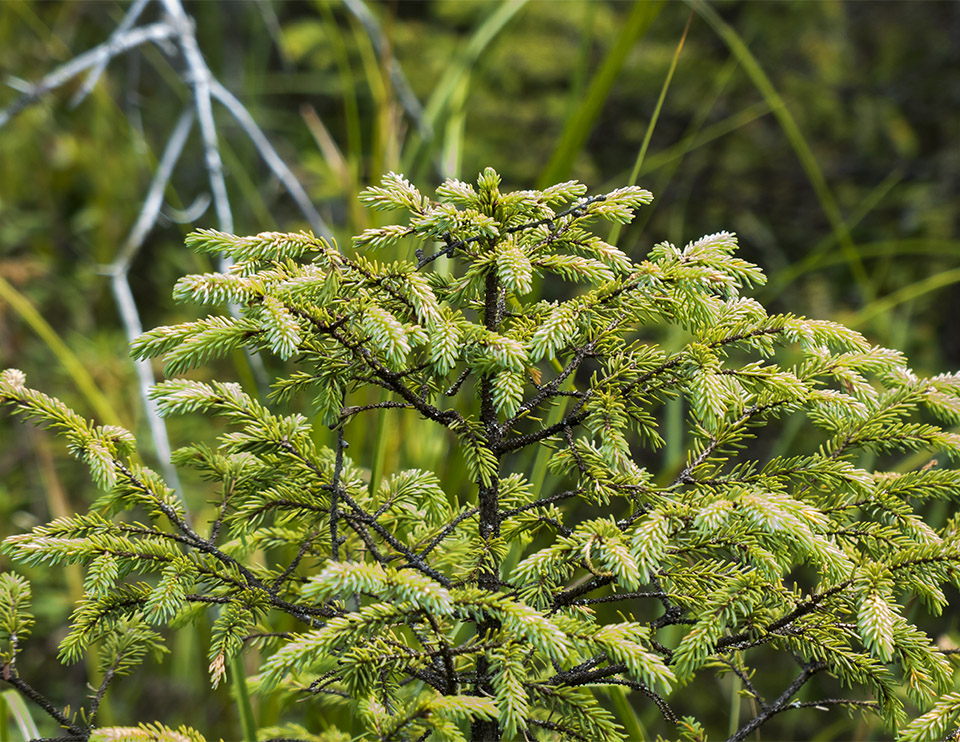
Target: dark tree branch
<point>414,560</point>
<point>301,552</point>
<point>347,412</point>
<point>781,704</point>
<point>108,677</point>
<point>6,675</point>
<point>661,703</point>
<point>617,597</point>
<point>570,594</point>
<point>335,490</point>
<point>447,530</point>
<point>808,606</point>
<point>541,503</point>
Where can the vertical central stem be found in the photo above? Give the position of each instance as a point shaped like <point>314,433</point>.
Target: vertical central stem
<point>489,515</point>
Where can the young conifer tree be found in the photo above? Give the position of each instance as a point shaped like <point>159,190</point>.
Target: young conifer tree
<point>508,610</point>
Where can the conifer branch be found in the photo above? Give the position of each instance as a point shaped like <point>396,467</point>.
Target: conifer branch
<point>552,388</point>
<point>348,412</point>
<point>450,674</point>
<point>781,704</point>
<point>108,677</point>
<point>661,703</point>
<point>12,678</point>
<point>414,560</point>
<point>803,609</point>
<point>617,597</point>
<point>567,597</point>
<point>715,547</point>
<point>391,381</point>
<point>455,387</point>
<point>542,502</point>
<point>201,544</point>
<point>684,477</point>
<point>555,727</point>
<point>447,530</point>
<point>335,491</point>
<point>301,552</point>
<point>577,211</point>
<point>745,679</point>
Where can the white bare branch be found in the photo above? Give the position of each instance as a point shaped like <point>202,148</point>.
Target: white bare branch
<point>103,53</point>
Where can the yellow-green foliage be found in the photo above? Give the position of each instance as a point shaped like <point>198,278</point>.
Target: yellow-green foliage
<point>441,613</point>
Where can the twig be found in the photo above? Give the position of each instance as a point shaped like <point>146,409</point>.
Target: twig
<point>570,594</point>
<point>780,704</point>
<point>34,695</point>
<point>120,284</point>
<point>408,98</point>
<point>661,703</point>
<point>195,540</point>
<point>270,156</point>
<point>801,610</point>
<point>355,409</point>
<point>413,559</point>
<point>747,683</point>
<point>108,677</point>
<point>445,654</point>
<point>542,502</point>
<point>304,547</point>
<point>155,32</point>
<point>335,495</point>
<point>447,530</point>
<point>455,387</point>
<point>94,75</point>
<point>620,596</point>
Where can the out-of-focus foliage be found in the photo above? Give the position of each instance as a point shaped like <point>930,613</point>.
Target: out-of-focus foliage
<point>872,89</point>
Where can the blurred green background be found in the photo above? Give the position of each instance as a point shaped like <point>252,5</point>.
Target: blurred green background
<point>826,134</point>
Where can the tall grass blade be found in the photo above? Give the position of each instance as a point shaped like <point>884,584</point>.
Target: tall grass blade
<point>378,82</point>
<point>348,84</point>
<point>241,694</point>
<point>451,158</point>
<point>439,106</point>
<point>907,293</point>
<point>652,124</point>
<point>66,357</point>
<point>799,143</point>
<point>578,127</point>
<point>627,714</point>
<point>700,138</point>
<point>821,255</point>
<point>11,701</point>
<point>578,81</point>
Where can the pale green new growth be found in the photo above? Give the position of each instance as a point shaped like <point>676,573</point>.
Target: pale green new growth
<point>15,617</point>
<point>503,609</point>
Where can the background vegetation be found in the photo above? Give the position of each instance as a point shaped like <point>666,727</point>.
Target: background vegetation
<point>827,135</point>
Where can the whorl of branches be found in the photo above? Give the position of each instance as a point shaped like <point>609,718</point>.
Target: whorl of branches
<point>434,611</point>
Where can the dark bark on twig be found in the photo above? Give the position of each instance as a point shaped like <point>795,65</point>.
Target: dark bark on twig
<point>489,511</point>
<point>781,704</point>
<point>43,702</point>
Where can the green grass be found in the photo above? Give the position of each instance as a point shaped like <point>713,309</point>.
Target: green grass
<point>795,137</point>
<point>578,126</point>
